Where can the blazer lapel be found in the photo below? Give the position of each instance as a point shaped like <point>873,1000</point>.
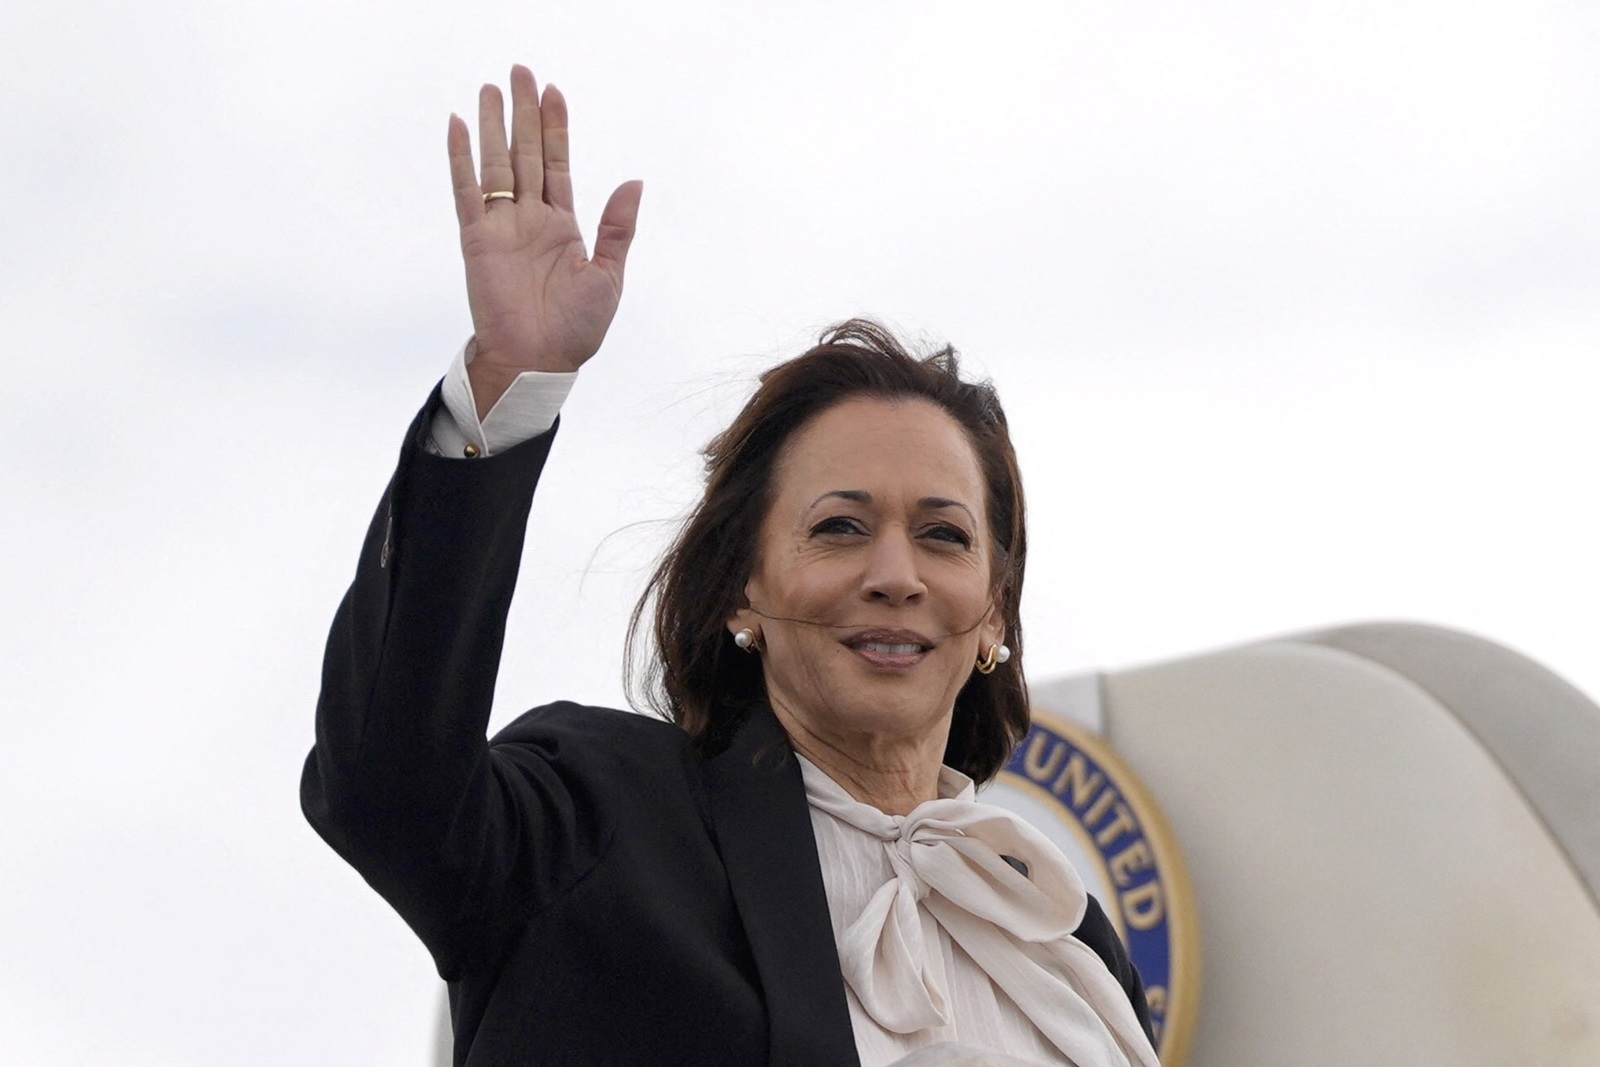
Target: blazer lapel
<point>763,827</point>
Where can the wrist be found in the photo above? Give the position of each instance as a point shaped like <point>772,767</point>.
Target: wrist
<point>489,383</point>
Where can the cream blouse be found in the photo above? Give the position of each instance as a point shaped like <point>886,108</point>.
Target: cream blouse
<point>942,940</point>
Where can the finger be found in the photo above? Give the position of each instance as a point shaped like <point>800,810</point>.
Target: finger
<point>557,160</point>
<point>495,164</point>
<point>463,178</point>
<point>527,154</point>
<point>617,224</point>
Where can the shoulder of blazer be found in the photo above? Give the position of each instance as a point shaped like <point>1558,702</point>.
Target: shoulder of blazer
<point>589,723</point>
<point>1097,932</point>
<point>626,747</point>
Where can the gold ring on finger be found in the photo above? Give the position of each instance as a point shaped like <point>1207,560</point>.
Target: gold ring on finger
<point>501,194</point>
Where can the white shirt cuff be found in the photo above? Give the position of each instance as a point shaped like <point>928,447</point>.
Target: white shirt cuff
<point>527,409</point>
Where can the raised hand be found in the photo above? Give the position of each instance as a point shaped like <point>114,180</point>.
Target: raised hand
<point>539,300</point>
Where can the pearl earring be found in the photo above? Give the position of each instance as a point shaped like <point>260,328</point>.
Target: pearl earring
<point>748,640</point>
<point>998,654</point>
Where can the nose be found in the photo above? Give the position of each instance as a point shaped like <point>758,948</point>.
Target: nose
<point>891,574</point>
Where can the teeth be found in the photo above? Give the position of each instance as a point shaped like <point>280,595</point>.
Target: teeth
<point>893,650</point>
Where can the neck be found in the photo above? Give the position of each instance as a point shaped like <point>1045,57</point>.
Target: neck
<point>893,775</point>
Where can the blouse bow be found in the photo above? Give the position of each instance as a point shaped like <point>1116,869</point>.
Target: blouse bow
<point>953,858</point>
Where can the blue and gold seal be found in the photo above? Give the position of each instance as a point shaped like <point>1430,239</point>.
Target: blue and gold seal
<point>1071,785</point>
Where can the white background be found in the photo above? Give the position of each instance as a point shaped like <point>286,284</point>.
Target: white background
<point>1293,307</point>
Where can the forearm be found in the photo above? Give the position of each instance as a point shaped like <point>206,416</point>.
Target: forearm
<point>408,676</point>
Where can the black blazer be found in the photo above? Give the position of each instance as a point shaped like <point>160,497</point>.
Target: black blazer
<point>593,890</point>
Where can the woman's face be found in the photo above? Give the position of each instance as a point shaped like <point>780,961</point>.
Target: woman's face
<point>872,588</point>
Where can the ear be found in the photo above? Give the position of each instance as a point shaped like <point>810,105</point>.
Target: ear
<point>993,630</point>
<point>744,619</point>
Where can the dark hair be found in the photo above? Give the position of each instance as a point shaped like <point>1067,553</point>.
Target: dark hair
<point>698,678</point>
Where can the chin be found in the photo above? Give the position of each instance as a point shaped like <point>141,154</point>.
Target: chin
<point>897,715</point>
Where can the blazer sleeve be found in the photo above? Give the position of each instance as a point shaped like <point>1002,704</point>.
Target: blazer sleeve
<point>402,781</point>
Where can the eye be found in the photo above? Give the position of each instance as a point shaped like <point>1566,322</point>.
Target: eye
<point>954,535</point>
<point>838,524</point>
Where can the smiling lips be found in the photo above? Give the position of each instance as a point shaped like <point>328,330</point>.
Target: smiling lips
<point>888,648</point>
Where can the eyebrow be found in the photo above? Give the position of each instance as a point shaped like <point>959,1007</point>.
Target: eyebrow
<point>861,496</point>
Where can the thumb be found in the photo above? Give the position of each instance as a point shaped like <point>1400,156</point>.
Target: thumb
<point>617,224</point>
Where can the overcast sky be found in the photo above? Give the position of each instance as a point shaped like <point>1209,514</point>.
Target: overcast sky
<point>1293,307</point>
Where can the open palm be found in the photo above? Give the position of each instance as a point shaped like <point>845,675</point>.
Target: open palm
<point>539,301</point>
